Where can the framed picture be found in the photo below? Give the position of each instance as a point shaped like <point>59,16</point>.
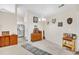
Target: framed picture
<point>5,33</point>
<point>60,24</point>
<point>69,20</point>
<point>35,19</point>
<point>54,20</point>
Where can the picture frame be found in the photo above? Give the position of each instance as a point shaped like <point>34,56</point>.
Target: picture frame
<point>54,20</point>
<point>69,20</point>
<point>35,19</point>
<point>60,24</point>
<point>5,33</point>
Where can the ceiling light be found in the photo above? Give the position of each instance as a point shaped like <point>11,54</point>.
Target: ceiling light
<point>43,19</point>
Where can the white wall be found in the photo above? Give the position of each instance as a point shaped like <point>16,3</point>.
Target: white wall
<point>29,25</point>
<point>20,20</point>
<point>8,22</point>
<point>20,16</point>
<point>54,33</point>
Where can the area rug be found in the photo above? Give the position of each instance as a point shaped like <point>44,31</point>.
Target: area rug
<point>35,50</point>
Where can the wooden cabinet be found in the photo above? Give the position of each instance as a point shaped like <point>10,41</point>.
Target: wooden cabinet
<point>1,41</point>
<point>8,40</point>
<point>13,39</point>
<point>36,36</point>
<point>4,41</point>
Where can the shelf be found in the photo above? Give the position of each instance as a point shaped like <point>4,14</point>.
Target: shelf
<point>67,46</point>
<point>68,39</point>
<point>70,48</point>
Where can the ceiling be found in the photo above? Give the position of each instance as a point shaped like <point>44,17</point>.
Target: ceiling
<point>7,8</point>
<point>42,10</point>
<point>46,9</point>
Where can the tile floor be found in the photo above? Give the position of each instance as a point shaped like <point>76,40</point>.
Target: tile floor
<point>51,48</point>
<point>14,50</point>
<point>44,45</point>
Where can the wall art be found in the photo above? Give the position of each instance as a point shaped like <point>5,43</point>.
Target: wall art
<point>69,20</point>
<point>35,19</point>
<point>54,20</point>
<point>60,24</point>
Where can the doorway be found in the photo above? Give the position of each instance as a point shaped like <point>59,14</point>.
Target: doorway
<point>21,32</point>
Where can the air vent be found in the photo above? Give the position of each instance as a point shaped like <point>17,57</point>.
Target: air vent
<point>60,5</point>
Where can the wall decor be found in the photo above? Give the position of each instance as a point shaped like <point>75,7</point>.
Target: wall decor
<point>60,24</point>
<point>69,20</point>
<point>35,19</point>
<point>54,20</point>
<point>47,23</point>
<point>5,33</point>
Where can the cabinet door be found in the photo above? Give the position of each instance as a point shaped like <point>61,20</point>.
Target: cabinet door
<point>13,39</point>
<point>6,40</point>
<point>1,41</point>
<point>36,37</point>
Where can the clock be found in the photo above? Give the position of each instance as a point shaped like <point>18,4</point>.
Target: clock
<point>69,20</point>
